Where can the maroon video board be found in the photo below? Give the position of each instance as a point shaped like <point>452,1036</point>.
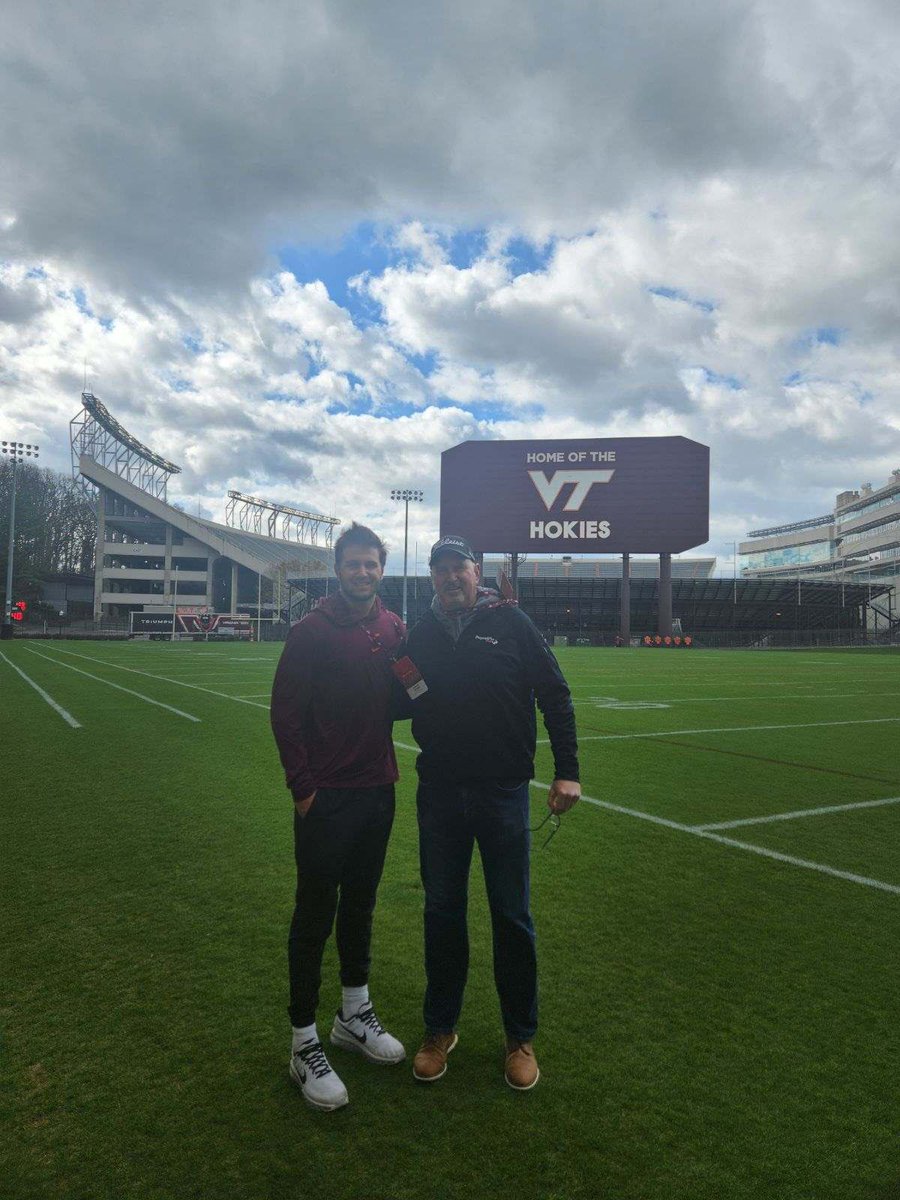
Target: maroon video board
<point>593,496</point>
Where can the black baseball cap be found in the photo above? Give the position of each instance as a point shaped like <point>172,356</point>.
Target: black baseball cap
<point>456,545</point>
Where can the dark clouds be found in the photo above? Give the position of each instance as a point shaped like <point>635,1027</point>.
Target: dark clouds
<point>167,146</point>
<point>18,305</point>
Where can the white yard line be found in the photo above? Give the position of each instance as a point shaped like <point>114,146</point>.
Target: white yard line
<point>218,677</point>
<point>696,831</point>
<point>802,812</point>
<point>117,686</point>
<point>162,678</point>
<point>66,716</point>
<point>849,876</point>
<point>620,737</point>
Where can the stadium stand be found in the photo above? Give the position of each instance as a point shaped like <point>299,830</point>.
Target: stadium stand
<point>715,612</point>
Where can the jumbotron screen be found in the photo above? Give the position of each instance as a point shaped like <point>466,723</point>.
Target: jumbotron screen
<point>593,496</point>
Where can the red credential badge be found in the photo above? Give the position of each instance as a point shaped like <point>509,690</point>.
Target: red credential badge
<point>410,676</point>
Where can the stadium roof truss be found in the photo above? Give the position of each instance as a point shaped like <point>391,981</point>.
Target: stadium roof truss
<point>109,460</point>
<point>251,513</point>
<point>97,435</point>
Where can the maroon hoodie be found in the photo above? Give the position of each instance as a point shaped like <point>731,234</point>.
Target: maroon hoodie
<point>331,698</point>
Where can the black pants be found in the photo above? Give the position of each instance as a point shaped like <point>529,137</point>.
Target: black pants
<point>339,847</point>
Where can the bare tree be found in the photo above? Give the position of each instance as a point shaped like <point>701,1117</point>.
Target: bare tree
<point>56,525</point>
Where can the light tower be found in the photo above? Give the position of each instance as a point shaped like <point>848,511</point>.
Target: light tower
<point>406,494</point>
<point>16,452</point>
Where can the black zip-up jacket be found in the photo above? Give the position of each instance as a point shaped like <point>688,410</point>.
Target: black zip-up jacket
<point>477,720</point>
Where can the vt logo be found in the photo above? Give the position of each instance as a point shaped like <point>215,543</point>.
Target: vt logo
<point>549,489</point>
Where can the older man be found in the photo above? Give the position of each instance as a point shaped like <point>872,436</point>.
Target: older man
<point>478,664</point>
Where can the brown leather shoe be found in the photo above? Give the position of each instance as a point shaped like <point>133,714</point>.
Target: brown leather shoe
<point>521,1066</point>
<point>430,1062</point>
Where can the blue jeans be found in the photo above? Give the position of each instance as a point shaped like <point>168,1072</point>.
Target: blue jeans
<point>452,818</point>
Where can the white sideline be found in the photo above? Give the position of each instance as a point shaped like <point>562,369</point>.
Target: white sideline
<point>619,737</point>
<point>117,686</point>
<point>724,841</point>
<point>162,678</point>
<point>66,716</point>
<point>801,812</point>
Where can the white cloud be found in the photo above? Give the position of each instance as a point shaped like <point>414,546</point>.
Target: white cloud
<point>709,192</point>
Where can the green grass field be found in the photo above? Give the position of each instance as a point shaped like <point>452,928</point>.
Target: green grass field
<point>720,1006</point>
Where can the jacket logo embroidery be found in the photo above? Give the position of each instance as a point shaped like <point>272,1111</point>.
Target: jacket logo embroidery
<point>480,638</point>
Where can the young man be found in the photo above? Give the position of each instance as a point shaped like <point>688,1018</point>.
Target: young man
<point>331,720</point>
<point>483,662</point>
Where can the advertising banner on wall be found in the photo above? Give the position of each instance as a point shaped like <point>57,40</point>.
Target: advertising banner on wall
<point>593,496</point>
<point>192,624</point>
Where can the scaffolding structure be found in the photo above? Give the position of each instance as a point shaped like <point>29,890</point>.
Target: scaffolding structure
<point>97,434</point>
<point>250,514</point>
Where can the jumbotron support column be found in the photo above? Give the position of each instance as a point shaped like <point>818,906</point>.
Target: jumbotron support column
<point>514,574</point>
<point>665,595</point>
<point>625,611</point>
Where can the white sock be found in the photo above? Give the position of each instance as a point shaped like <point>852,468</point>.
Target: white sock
<point>352,1000</point>
<point>301,1035</point>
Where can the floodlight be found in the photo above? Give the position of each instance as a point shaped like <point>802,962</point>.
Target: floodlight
<point>405,495</point>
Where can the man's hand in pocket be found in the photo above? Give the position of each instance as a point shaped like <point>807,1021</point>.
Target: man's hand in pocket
<point>303,806</point>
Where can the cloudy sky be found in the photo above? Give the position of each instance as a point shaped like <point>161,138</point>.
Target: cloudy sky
<point>300,248</point>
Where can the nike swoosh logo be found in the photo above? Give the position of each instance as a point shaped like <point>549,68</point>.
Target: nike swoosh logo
<point>360,1037</point>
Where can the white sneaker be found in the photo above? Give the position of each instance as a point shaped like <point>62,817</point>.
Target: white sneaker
<point>365,1034</point>
<point>312,1073</point>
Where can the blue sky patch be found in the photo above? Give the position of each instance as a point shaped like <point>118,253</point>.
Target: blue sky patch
<point>424,363</point>
<point>465,247</point>
<point>363,248</point>
<point>484,410</point>
<point>824,335</point>
<point>280,397</point>
<point>80,297</point>
<point>522,256</point>
<point>81,300</point>
<point>729,381</point>
<point>368,247</point>
<point>525,258</point>
<point>829,335</point>
<point>670,293</point>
